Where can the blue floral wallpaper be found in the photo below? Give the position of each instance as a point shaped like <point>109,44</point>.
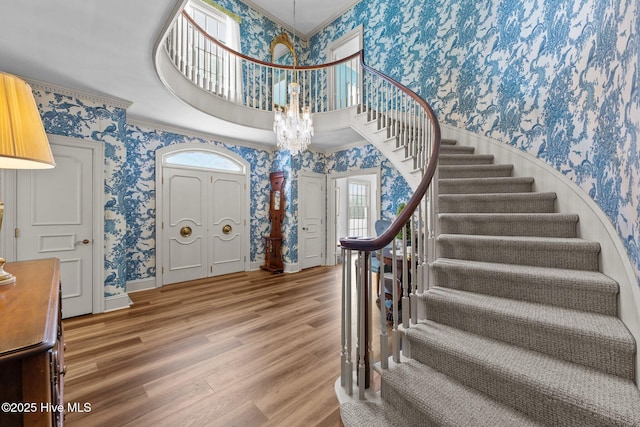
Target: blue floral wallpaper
<point>130,151</point>
<point>81,118</point>
<point>559,79</point>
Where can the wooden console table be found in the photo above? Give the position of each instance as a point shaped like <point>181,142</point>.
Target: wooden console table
<point>32,345</point>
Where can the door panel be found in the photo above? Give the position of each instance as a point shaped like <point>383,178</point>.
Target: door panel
<point>205,231</point>
<point>185,230</point>
<point>55,220</point>
<point>311,219</point>
<point>227,228</point>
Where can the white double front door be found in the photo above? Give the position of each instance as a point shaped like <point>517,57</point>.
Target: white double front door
<point>203,224</point>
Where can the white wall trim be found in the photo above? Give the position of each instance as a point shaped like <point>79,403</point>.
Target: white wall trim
<point>141,284</point>
<point>593,225</point>
<point>196,134</point>
<point>110,101</point>
<point>117,302</point>
<point>291,267</point>
<point>255,265</point>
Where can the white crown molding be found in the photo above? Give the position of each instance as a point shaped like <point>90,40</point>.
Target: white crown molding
<point>196,134</point>
<point>74,93</point>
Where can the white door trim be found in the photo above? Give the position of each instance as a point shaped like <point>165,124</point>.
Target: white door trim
<point>331,206</point>
<point>323,231</point>
<point>9,196</point>
<point>161,153</point>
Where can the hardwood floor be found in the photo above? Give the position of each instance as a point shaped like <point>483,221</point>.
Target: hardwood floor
<point>249,349</point>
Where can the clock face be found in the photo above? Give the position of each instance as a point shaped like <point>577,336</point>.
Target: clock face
<point>276,200</point>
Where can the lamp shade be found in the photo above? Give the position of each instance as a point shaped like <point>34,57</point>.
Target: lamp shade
<point>23,141</point>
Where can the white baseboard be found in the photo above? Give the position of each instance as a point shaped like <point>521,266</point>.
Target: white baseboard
<point>141,284</point>
<point>255,265</point>
<point>117,302</point>
<point>291,267</point>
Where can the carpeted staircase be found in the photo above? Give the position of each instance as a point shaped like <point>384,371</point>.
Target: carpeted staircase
<point>521,327</point>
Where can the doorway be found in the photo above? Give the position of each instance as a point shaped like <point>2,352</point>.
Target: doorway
<point>202,204</point>
<point>59,214</point>
<point>354,207</point>
<point>311,229</point>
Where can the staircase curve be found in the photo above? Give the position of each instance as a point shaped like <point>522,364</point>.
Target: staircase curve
<point>500,316</point>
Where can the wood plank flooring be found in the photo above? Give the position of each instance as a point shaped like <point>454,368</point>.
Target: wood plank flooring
<point>248,349</point>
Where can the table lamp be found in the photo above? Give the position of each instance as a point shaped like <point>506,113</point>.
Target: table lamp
<point>23,141</point>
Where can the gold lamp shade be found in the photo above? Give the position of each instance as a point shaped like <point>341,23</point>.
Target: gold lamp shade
<point>23,141</point>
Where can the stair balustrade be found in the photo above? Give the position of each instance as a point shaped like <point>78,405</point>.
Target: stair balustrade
<point>404,119</point>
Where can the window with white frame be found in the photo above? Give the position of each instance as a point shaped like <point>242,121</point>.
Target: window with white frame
<point>215,69</point>
<point>358,208</point>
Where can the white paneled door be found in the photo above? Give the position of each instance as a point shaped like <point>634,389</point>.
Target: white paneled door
<point>54,219</point>
<point>311,220</point>
<point>226,224</point>
<point>203,224</point>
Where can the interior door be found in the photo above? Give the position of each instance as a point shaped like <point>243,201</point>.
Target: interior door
<point>226,223</point>
<point>55,220</point>
<point>311,219</point>
<point>184,225</point>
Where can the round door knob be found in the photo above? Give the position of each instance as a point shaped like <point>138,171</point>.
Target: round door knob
<point>186,231</point>
<point>83,242</point>
<point>227,229</point>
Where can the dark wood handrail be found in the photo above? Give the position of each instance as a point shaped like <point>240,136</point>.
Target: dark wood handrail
<point>379,242</point>
<point>264,63</point>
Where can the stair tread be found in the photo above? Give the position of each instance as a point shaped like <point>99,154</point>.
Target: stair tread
<point>580,279</point>
<point>508,216</point>
<point>598,327</point>
<point>476,167</point>
<point>490,196</point>
<point>610,397</point>
<point>488,180</point>
<point>526,240</point>
<point>446,401</point>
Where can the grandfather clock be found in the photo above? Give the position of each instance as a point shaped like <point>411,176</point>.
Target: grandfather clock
<point>273,242</point>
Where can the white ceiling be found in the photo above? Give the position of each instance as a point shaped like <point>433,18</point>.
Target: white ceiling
<point>106,48</point>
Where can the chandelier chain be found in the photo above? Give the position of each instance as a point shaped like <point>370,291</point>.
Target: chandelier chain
<point>293,130</point>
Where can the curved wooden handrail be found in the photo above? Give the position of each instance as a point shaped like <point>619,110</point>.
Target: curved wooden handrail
<point>379,242</point>
<point>264,63</point>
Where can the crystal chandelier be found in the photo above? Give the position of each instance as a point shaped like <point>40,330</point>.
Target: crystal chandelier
<point>293,129</point>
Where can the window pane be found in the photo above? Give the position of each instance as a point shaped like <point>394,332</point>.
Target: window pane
<point>202,159</point>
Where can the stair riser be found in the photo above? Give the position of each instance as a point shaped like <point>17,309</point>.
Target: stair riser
<point>536,336</point>
<point>446,172</point>
<point>526,288</point>
<point>415,417</point>
<point>509,227</point>
<point>452,159</point>
<point>505,389</point>
<point>552,256</point>
<point>462,187</point>
<point>456,149</point>
<point>462,204</point>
